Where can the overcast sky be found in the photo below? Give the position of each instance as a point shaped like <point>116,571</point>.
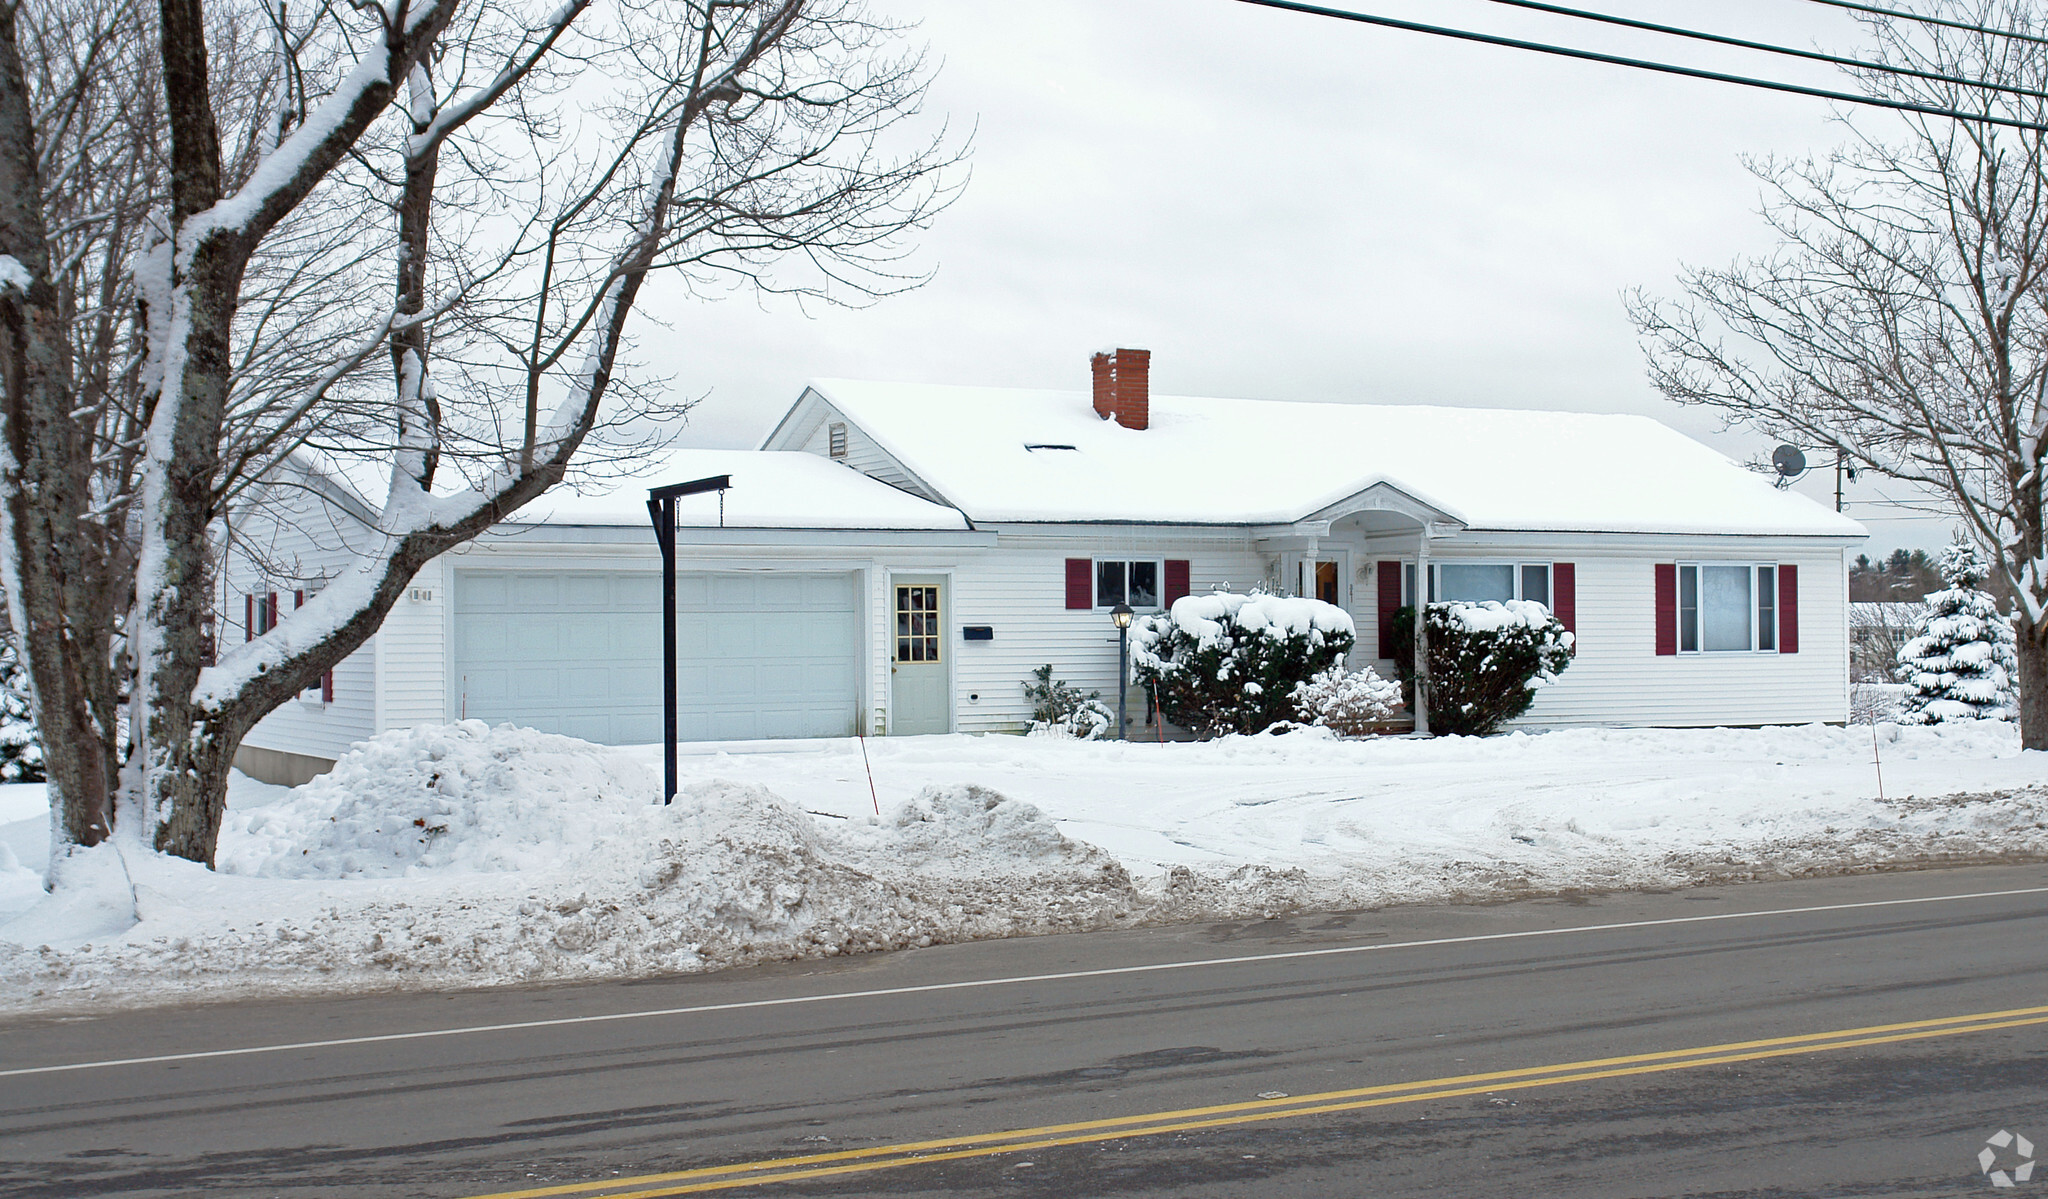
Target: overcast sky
<point>1290,207</point>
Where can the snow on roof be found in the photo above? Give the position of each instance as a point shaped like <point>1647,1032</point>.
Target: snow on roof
<point>771,489</point>
<point>1003,454</point>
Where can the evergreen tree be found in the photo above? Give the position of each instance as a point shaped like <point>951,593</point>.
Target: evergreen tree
<point>21,750</point>
<point>1965,658</point>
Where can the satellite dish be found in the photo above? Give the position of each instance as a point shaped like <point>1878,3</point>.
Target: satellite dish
<point>1788,460</point>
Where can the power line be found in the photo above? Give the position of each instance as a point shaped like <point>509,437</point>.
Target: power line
<point>1489,39</point>
<point>1944,22</point>
<point>1766,47</point>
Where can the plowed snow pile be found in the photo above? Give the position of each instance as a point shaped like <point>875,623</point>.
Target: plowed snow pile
<point>461,855</point>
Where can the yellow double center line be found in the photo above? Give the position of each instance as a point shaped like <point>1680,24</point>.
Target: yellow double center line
<point>889,1157</point>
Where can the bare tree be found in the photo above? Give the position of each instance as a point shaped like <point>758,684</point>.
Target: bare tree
<point>405,235</point>
<point>1903,319</point>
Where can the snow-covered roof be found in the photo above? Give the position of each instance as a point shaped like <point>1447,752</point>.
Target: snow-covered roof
<point>1221,461</point>
<point>770,490</point>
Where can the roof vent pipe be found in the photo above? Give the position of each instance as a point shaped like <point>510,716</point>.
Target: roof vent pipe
<point>1123,387</point>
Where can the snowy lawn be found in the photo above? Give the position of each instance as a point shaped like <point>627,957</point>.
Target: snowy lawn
<point>462,856</point>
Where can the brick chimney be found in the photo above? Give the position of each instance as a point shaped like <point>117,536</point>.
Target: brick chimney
<point>1123,387</point>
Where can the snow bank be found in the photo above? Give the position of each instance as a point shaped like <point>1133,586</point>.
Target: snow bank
<point>552,862</point>
<point>457,797</point>
<point>464,855</point>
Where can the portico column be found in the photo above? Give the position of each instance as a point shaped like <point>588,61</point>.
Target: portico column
<point>1422,631</point>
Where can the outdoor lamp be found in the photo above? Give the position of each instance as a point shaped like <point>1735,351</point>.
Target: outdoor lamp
<point>1120,616</point>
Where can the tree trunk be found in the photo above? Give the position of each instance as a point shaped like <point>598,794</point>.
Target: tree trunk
<point>191,783</point>
<point>46,492</point>
<point>2033,681</point>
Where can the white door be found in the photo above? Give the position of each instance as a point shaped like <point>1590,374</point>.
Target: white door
<point>920,695</point>
<point>767,654</point>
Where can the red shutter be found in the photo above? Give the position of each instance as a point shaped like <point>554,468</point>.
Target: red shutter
<point>1390,603</point>
<point>1564,595</point>
<point>1667,607</point>
<point>327,688</point>
<point>1788,609</point>
<point>271,610</point>
<point>1176,579</point>
<point>1080,582</point>
<point>298,599</point>
<point>249,616</point>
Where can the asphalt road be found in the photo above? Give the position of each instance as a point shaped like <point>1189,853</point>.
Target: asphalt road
<point>1855,1036</point>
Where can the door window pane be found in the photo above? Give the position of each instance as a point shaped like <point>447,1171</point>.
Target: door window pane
<point>1724,608</point>
<point>1474,582</point>
<point>1109,584</point>
<point>917,624</point>
<point>1144,589</point>
<point>1326,582</point>
<point>1536,584</point>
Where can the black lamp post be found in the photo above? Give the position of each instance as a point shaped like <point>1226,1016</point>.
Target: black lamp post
<point>1121,617</point>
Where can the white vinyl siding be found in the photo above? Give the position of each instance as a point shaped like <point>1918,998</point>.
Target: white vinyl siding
<point>1019,590</point>
<point>1618,678</point>
<point>858,451</point>
<point>297,544</point>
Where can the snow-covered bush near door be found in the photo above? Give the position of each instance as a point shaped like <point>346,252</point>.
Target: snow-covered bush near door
<point>1351,703</point>
<point>1228,663</point>
<point>1059,708</point>
<point>1487,660</point>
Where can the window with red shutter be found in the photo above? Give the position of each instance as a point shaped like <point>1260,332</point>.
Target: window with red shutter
<point>1564,595</point>
<point>1080,583</point>
<point>1788,609</point>
<point>1389,603</point>
<point>1177,575</point>
<point>1667,607</point>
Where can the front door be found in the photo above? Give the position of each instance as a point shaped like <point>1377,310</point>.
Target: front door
<point>920,697</point>
<point>1328,584</point>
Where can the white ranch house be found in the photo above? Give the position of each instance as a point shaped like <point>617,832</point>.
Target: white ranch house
<point>898,558</point>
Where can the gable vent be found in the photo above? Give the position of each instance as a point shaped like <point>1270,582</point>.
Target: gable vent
<point>835,439</point>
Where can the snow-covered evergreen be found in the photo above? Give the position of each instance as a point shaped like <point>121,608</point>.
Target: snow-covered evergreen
<point>21,748</point>
<point>1963,662</point>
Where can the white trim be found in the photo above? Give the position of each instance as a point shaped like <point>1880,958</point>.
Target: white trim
<point>1158,583</point>
<point>1755,615</point>
<point>1515,565</point>
<point>949,655</point>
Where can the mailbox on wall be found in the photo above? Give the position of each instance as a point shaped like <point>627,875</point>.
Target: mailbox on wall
<point>977,632</point>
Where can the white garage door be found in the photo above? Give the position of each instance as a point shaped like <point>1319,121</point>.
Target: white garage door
<point>579,652</point>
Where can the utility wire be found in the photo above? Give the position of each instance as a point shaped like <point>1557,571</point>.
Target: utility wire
<point>1489,39</point>
<point>1944,22</point>
<point>1767,47</point>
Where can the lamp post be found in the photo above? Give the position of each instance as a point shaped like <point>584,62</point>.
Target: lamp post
<point>1121,617</point>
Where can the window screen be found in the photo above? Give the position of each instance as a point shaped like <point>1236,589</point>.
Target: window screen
<point>1724,608</point>
<point>1474,582</point>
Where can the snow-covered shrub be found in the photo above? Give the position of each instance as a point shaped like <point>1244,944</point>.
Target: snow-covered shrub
<point>1963,663</point>
<point>21,749</point>
<point>1486,661</point>
<point>1229,663</point>
<point>1057,705</point>
<point>1347,703</point>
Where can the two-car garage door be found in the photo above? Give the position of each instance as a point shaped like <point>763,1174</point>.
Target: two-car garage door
<point>763,654</point>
